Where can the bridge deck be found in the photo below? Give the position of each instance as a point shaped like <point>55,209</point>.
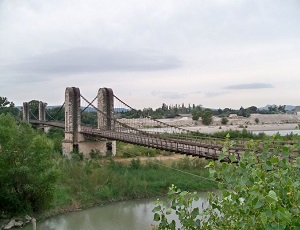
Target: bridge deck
<point>203,149</point>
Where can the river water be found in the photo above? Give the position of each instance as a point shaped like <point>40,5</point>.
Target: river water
<point>131,215</point>
<point>281,132</point>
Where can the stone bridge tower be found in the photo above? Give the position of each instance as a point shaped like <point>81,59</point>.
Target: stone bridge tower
<point>42,111</point>
<point>26,111</point>
<point>106,116</point>
<point>72,120</point>
<point>74,140</point>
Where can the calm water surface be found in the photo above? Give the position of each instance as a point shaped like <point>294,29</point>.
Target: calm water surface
<point>131,215</point>
<point>281,132</point>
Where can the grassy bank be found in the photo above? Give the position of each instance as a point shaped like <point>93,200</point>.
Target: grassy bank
<point>86,183</point>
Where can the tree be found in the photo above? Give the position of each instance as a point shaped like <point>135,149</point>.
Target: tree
<point>57,113</point>
<point>281,108</point>
<point>256,120</point>
<point>242,112</point>
<point>27,176</point>
<point>257,192</point>
<point>8,107</point>
<point>4,102</point>
<point>34,109</point>
<point>252,109</point>
<point>207,117</point>
<point>196,113</point>
<point>224,121</point>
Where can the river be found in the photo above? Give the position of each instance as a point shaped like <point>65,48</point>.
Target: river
<point>281,132</point>
<point>131,215</point>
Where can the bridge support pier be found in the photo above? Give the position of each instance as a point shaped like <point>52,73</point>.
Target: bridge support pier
<point>26,111</point>
<point>75,141</point>
<point>105,117</point>
<point>42,116</point>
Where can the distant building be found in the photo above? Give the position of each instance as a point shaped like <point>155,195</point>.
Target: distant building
<point>233,115</point>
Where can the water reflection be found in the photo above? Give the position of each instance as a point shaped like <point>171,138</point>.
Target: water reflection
<point>133,215</point>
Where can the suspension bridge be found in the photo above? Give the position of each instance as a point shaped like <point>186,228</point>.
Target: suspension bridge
<point>144,131</point>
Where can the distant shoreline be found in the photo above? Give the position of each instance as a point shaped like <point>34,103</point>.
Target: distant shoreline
<point>264,127</point>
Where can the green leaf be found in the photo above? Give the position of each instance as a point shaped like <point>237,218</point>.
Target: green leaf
<point>232,157</point>
<point>156,217</point>
<point>271,197</point>
<point>298,162</point>
<point>259,203</point>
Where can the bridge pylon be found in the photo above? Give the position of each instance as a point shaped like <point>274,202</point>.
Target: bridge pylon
<point>42,111</point>
<point>72,120</point>
<point>105,117</point>
<point>26,111</point>
<point>74,139</point>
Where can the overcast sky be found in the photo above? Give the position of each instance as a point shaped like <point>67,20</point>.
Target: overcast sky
<point>217,53</point>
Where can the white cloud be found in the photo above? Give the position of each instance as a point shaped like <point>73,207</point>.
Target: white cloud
<point>192,46</point>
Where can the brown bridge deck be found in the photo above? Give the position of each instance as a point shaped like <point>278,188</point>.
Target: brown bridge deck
<point>202,148</point>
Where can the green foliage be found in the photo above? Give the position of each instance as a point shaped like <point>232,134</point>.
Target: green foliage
<point>224,121</point>
<point>89,118</point>
<point>135,163</point>
<point>34,109</point>
<point>261,191</point>
<point>7,107</point>
<point>128,150</point>
<point>57,113</point>
<point>196,114</point>
<point>95,154</point>
<point>181,205</point>
<point>236,134</point>
<point>88,182</point>
<point>207,117</point>
<point>256,120</point>
<point>26,170</point>
<point>56,135</point>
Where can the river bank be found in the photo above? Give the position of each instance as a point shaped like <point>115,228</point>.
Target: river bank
<point>256,122</point>
<point>133,215</point>
<point>250,128</point>
<point>89,183</point>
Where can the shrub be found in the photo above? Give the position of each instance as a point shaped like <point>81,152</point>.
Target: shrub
<point>259,192</point>
<point>135,163</point>
<point>27,176</point>
<point>224,121</point>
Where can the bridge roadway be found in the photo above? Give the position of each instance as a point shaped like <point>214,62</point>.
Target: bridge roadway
<point>203,149</point>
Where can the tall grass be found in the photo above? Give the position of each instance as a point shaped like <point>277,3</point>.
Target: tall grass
<point>89,182</point>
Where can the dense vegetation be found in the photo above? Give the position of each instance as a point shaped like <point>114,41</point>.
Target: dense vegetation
<point>27,174</point>
<point>90,182</point>
<point>170,111</point>
<point>35,177</point>
<point>258,192</point>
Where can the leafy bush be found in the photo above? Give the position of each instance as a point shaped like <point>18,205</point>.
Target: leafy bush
<point>135,163</point>
<point>261,191</point>
<point>207,117</point>
<point>224,121</point>
<point>27,176</point>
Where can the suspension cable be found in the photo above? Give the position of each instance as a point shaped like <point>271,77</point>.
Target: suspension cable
<point>33,114</point>
<point>89,104</point>
<point>116,121</point>
<point>59,110</point>
<point>186,130</point>
<point>49,115</point>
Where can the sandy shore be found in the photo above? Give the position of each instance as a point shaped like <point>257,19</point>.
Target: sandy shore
<point>265,127</point>
<point>256,122</point>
